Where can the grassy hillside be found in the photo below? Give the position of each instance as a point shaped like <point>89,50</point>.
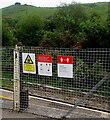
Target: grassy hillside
<point>101,8</point>
<point>20,10</point>
<point>16,11</point>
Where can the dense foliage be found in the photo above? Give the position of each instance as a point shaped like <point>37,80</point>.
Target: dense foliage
<point>27,29</point>
<point>71,26</point>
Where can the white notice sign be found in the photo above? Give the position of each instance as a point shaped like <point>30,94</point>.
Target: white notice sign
<point>65,66</point>
<point>45,65</point>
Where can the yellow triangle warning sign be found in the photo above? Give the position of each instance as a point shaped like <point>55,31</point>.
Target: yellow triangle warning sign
<point>28,60</point>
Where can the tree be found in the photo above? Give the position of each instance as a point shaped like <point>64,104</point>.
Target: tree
<point>62,29</point>
<point>63,39</point>
<point>11,21</point>
<point>69,17</point>
<point>96,32</point>
<point>28,28</point>
<point>8,37</point>
<point>17,3</point>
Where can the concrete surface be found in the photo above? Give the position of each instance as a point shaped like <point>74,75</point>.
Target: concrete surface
<point>6,113</point>
<point>39,108</point>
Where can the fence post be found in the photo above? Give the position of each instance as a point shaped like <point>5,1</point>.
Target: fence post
<point>16,79</point>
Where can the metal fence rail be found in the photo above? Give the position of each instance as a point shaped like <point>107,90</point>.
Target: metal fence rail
<point>89,67</point>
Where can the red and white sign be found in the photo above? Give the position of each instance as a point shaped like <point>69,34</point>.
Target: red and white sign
<point>65,66</point>
<point>45,58</point>
<point>45,65</point>
<point>65,59</point>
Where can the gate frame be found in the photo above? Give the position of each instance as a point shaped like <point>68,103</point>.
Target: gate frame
<point>20,96</point>
<point>18,87</point>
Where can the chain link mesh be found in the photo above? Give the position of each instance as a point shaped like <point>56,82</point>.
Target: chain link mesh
<point>7,68</point>
<point>89,67</point>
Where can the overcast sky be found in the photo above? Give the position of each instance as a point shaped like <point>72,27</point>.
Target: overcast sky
<point>44,3</point>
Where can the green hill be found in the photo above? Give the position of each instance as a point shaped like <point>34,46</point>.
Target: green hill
<point>17,11</point>
<point>20,10</point>
<point>101,8</point>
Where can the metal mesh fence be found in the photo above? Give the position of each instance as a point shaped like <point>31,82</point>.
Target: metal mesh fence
<point>7,67</point>
<point>89,67</point>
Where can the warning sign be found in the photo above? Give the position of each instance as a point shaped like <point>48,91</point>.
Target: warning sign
<point>28,60</point>
<point>45,65</point>
<point>65,66</point>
